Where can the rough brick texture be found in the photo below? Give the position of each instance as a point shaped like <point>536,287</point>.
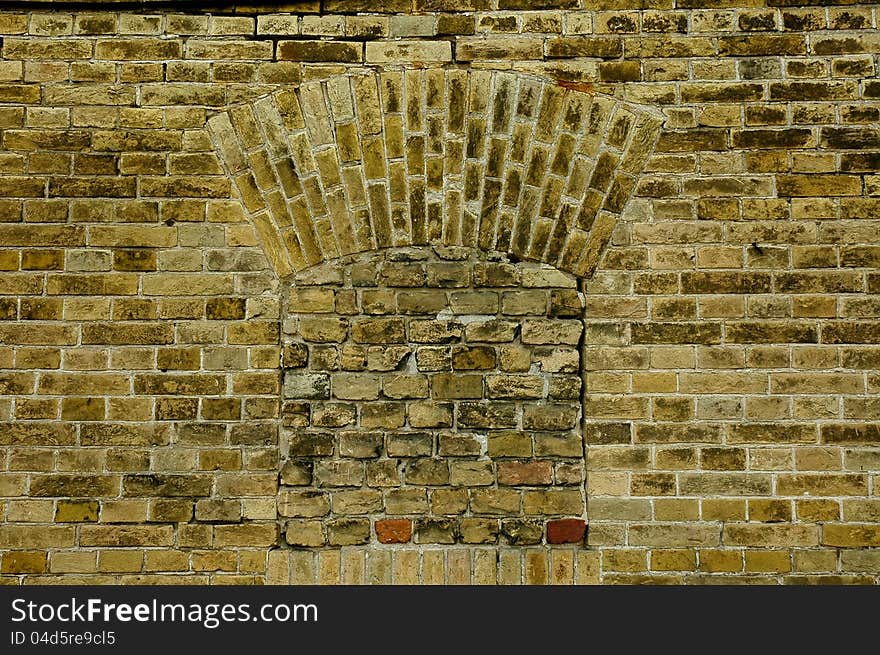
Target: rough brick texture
<point>419,291</point>
<point>496,161</point>
<point>436,386</point>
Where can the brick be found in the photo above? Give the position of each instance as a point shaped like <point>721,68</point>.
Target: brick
<point>310,444</point>
<point>160,384</point>
<point>435,331</point>
<point>317,51</point>
<point>96,187</point>
<point>23,562</point>
<point>138,49</point>
<point>227,49</point>
<point>439,531</point>
<point>37,49</point>
<point>550,417</point>
<point>471,474</point>
<point>345,532</point>
<point>692,140</point>
<point>249,535</point>
<point>21,537</point>
<point>754,45</point>
<point>125,140</point>
<point>136,333</point>
<point>394,531</point>
<point>563,531</point>
<point>420,302</point>
<point>821,484</point>
<point>585,46</point>
<point>307,504</point>
<point>495,501</point>
<point>525,473</point>
<point>306,534</point>
<point>515,386</point>
<point>770,535</point>
<point>422,51</point>
<point>551,332</point>
<point>413,444</point>
<point>96,284</point>
<point>379,331</point>
<point>520,532</point>
<point>818,185</point>
<point>41,235</point>
<point>134,260</point>
<point>849,433</point>
<point>83,383</point>
<point>491,331</point>
<point>552,502</point>
<point>133,236</point>
<point>75,485</point>
<point>479,531</point>
<point>166,485</point>
<point>471,49</point>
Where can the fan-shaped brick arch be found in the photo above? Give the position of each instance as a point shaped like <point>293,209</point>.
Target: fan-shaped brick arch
<point>494,160</point>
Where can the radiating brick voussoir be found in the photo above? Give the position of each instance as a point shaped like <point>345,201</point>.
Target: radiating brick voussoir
<point>496,160</point>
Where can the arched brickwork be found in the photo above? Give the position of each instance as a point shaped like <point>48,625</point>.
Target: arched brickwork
<point>372,159</point>
<point>499,163</point>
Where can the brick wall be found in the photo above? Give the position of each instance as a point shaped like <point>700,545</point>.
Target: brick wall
<point>208,219</point>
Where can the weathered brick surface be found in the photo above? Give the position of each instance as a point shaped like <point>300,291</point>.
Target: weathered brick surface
<point>174,401</point>
<point>496,161</point>
<point>399,398</point>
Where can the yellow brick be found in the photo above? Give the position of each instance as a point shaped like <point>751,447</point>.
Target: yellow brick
<point>673,560</point>
<point>721,561</point>
<point>768,561</point>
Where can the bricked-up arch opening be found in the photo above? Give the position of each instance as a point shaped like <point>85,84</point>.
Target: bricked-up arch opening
<point>430,225</point>
<point>432,395</point>
<point>499,161</point>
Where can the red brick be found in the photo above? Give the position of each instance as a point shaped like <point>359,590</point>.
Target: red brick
<point>394,531</point>
<point>566,531</point>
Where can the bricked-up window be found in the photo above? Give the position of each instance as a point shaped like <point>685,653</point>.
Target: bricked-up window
<point>428,387</point>
<point>432,394</point>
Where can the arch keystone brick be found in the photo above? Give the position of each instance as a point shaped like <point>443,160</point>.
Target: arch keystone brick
<point>495,160</point>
